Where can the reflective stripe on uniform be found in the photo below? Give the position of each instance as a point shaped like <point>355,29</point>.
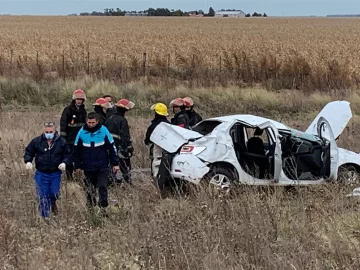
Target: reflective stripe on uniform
<point>115,136</point>
<point>76,125</point>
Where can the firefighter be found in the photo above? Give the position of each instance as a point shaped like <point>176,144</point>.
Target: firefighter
<point>194,117</point>
<point>179,108</point>
<point>109,99</point>
<point>161,114</point>
<point>72,119</point>
<point>110,110</point>
<point>101,106</point>
<point>118,126</point>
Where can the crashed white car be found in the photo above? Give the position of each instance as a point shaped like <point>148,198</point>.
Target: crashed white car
<point>222,150</point>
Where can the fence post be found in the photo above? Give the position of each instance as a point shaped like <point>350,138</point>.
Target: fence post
<point>1,66</point>
<point>88,63</point>
<point>144,63</point>
<point>11,62</point>
<point>11,56</point>
<point>220,64</point>
<point>168,63</point>
<point>63,65</point>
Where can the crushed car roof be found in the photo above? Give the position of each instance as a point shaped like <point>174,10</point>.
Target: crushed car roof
<point>250,119</point>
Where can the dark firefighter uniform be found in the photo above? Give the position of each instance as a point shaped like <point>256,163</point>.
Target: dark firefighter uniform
<point>194,117</point>
<point>118,127</point>
<point>179,108</point>
<point>72,119</point>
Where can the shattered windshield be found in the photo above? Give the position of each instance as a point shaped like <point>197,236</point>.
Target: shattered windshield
<point>305,136</point>
<point>206,127</point>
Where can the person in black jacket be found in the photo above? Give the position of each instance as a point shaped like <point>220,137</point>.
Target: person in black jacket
<point>179,108</point>
<point>94,150</point>
<point>52,155</point>
<point>118,126</point>
<point>72,119</point>
<point>101,106</point>
<point>161,114</point>
<point>194,117</point>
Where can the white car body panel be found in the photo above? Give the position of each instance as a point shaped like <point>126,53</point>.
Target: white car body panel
<point>338,113</point>
<point>348,157</point>
<point>217,146</point>
<point>171,137</point>
<point>189,168</point>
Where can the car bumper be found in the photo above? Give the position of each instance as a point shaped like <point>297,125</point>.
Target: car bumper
<point>189,168</point>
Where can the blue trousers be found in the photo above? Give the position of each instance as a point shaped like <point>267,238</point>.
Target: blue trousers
<point>47,190</point>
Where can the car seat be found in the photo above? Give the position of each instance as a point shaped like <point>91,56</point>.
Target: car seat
<point>255,145</point>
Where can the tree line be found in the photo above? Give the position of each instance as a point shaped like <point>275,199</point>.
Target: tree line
<point>160,12</point>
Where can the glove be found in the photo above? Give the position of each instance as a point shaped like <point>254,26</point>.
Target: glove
<point>28,166</point>
<point>62,166</point>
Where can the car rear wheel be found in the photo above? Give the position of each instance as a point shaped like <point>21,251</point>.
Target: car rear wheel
<point>221,178</point>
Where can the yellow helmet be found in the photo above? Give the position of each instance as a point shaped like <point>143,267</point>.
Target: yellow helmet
<point>160,108</point>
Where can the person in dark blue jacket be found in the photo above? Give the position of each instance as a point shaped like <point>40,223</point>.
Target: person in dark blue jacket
<point>94,150</point>
<point>52,154</point>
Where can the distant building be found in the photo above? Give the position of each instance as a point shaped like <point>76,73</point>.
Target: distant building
<point>136,14</point>
<point>235,13</point>
<point>196,15</point>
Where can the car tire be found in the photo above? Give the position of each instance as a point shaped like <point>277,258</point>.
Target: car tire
<point>349,175</point>
<point>222,178</point>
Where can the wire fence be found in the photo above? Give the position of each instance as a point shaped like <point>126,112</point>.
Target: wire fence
<point>196,69</point>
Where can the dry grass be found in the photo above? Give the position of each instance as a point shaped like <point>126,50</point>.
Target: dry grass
<point>277,52</point>
<point>314,228</point>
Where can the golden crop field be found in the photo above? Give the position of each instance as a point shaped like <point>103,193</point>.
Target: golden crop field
<point>290,46</point>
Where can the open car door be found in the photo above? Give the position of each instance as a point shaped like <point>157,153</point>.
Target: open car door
<point>337,113</point>
<point>277,152</point>
<point>324,130</point>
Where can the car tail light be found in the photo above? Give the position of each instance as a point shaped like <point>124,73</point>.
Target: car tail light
<point>187,149</point>
<point>190,149</point>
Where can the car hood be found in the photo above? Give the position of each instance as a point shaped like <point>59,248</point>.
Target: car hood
<point>171,137</point>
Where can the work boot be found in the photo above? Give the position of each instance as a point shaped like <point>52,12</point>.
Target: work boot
<point>54,209</point>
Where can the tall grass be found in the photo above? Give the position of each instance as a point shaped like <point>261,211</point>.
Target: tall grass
<point>26,94</point>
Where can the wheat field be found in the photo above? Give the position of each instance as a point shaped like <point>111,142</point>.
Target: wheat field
<point>281,52</point>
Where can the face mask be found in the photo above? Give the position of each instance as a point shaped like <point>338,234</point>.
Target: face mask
<point>49,136</point>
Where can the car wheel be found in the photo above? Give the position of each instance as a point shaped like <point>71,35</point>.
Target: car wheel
<point>349,175</point>
<point>220,177</point>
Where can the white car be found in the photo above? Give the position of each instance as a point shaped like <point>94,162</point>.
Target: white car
<point>221,150</point>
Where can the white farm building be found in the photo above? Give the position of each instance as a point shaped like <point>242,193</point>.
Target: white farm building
<point>235,13</point>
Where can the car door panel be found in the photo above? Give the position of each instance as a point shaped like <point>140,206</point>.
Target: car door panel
<point>324,130</point>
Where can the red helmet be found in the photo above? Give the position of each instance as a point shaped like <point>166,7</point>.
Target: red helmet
<point>124,103</point>
<point>79,94</point>
<point>178,102</point>
<point>189,100</point>
<point>102,102</point>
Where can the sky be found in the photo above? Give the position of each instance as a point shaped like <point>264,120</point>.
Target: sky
<point>270,7</point>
